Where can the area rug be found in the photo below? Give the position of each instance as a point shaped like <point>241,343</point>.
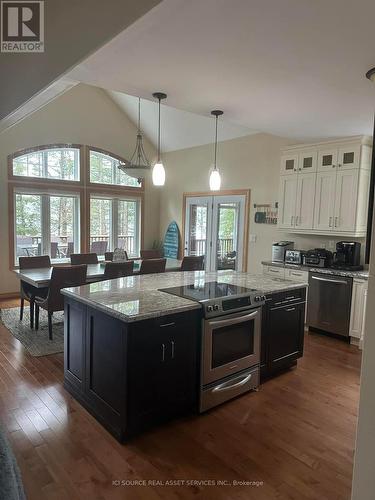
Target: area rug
<point>35,342</point>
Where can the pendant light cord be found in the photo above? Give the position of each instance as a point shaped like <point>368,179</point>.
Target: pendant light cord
<point>215,167</point>
<point>159,134</point>
<point>139,115</point>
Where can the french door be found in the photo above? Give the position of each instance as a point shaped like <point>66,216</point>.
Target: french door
<point>214,227</point>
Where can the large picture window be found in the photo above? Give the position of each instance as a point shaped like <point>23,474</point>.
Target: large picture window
<point>114,223</point>
<point>46,224</point>
<point>68,198</point>
<point>60,163</point>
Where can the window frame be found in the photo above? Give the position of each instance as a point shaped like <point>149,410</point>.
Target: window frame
<point>83,186</point>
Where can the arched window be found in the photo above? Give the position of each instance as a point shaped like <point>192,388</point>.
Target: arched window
<point>48,186</point>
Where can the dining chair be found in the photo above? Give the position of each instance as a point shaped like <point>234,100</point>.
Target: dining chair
<point>150,266</point>
<point>192,263</point>
<point>99,247</point>
<point>109,256</point>
<point>28,291</point>
<point>114,270</point>
<point>150,254</point>
<point>61,277</point>
<point>83,258</point>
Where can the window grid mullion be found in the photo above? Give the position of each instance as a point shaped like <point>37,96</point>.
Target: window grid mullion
<point>46,226</point>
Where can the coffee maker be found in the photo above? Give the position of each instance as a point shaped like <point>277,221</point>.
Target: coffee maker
<point>347,256</point>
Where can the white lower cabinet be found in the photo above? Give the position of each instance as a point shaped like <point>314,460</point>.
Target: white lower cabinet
<point>358,308</point>
<point>297,275</point>
<point>278,272</point>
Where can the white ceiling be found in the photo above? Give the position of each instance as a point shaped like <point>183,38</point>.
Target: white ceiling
<point>294,68</point>
<point>179,129</point>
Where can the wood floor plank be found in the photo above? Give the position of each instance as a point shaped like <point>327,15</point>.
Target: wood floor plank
<point>295,436</point>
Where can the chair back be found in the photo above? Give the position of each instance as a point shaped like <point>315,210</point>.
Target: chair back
<point>150,254</point>
<point>54,249</point>
<point>83,258</point>
<point>114,270</point>
<point>192,263</point>
<point>64,277</point>
<point>70,248</point>
<point>99,247</point>
<point>34,262</point>
<point>109,256</point>
<point>150,266</point>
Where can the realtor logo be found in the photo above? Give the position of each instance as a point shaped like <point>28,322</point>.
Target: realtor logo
<point>22,26</point>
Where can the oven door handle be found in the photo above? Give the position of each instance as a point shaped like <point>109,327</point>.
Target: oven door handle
<point>226,386</point>
<point>233,321</point>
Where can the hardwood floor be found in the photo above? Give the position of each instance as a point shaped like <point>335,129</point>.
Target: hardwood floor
<point>296,435</point>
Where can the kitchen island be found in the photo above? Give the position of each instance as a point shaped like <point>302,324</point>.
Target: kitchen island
<point>133,352</point>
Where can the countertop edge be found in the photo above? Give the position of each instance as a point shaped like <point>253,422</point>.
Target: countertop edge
<point>361,275</point>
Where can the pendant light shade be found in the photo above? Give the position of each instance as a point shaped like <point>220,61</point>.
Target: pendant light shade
<point>158,172</point>
<point>138,163</point>
<point>215,177</point>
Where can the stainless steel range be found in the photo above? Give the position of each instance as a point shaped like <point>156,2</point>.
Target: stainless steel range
<point>230,338</point>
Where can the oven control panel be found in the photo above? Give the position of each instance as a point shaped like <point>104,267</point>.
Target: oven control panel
<point>233,304</point>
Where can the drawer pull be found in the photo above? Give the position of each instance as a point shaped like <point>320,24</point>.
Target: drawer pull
<point>290,309</point>
<point>274,271</point>
<point>167,324</point>
<point>290,298</point>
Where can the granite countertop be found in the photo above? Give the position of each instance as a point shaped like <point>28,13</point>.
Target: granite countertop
<point>136,298</point>
<point>363,275</point>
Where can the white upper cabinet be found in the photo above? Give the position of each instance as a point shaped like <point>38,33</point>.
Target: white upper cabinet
<point>307,161</point>
<point>349,156</point>
<point>289,164</point>
<point>327,159</point>
<point>305,201</point>
<point>287,208</point>
<point>324,187</point>
<point>324,201</point>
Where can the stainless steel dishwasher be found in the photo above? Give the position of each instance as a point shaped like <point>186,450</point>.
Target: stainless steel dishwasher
<point>329,302</point>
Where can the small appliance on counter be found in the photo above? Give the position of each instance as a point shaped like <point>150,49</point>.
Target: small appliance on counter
<point>347,256</point>
<point>318,257</point>
<point>279,249</point>
<point>294,257</point>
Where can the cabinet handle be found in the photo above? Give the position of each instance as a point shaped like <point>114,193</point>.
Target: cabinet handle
<point>292,220</point>
<point>339,165</point>
<point>291,297</point>
<point>172,349</point>
<point>336,221</point>
<point>163,352</point>
<point>167,324</point>
<point>333,166</point>
<point>290,309</point>
<point>330,222</point>
<point>273,270</point>
<point>296,220</point>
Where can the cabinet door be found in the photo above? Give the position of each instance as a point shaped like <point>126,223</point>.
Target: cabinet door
<point>357,307</point>
<point>305,201</point>
<point>287,200</point>
<point>327,159</point>
<point>346,200</point>
<point>289,164</point>
<point>285,334</point>
<point>349,156</point>
<point>324,200</point>
<point>307,162</point>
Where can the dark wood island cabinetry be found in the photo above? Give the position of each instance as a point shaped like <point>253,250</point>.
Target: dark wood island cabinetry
<point>131,375</point>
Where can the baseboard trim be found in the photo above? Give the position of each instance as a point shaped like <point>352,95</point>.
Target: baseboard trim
<point>13,295</point>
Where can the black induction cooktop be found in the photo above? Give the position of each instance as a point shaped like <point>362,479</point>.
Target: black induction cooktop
<point>203,291</point>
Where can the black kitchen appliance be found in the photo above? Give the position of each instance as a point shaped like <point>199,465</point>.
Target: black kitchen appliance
<point>318,257</point>
<point>294,257</point>
<point>347,256</point>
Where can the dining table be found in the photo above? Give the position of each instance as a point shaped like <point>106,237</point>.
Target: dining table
<point>40,277</point>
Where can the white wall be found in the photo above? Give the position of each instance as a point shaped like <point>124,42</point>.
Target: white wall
<point>251,162</point>
<point>364,460</point>
<point>83,115</point>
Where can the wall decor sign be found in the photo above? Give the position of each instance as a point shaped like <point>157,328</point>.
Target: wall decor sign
<point>266,213</point>
<point>172,241</point>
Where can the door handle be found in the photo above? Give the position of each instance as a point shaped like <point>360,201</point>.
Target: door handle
<point>163,352</point>
<point>233,321</point>
<point>226,386</point>
<point>172,349</point>
<point>341,282</point>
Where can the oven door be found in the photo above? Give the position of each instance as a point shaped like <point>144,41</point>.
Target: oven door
<point>230,344</point>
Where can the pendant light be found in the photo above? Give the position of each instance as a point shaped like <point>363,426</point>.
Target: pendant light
<point>215,178</point>
<point>138,163</point>
<point>158,172</point>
